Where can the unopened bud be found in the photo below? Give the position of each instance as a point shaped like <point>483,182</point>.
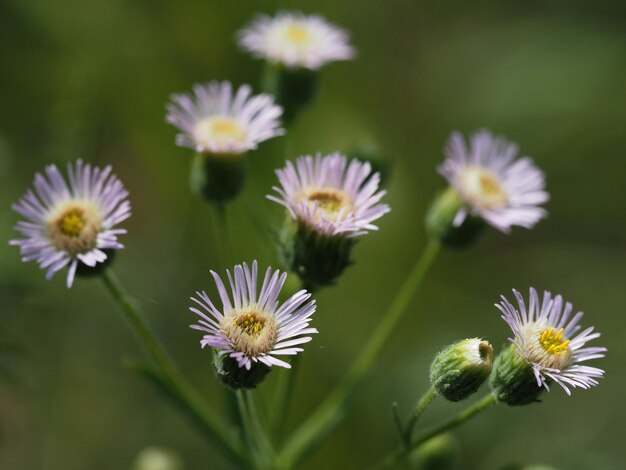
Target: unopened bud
<point>461,368</point>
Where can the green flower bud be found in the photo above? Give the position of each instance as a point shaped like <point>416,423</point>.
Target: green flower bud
<point>513,380</point>
<point>293,88</point>
<point>440,221</point>
<point>318,259</point>
<point>235,377</point>
<point>217,178</point>
<point>461,368</point>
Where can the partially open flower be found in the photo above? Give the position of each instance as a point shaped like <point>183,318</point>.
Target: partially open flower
<point>331,201</point>
<point>548,345</point>
<point>331,195</point>
<point>252,328</point>
<point>73,223</point>
<point>296,40</point>
<point>217,121</point>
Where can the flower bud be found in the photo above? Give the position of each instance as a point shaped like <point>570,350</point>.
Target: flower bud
<point>317,258</point>
<point>236,377</point>
<point>513,380</point>
<point>293,88</point>
<point>441,221</point>
<point>461,368</point>
<point>217,178</point>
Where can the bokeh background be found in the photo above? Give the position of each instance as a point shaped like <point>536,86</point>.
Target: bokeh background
<point>90,79</point>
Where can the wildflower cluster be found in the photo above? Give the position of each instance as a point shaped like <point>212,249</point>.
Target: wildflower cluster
<point>255,324</point>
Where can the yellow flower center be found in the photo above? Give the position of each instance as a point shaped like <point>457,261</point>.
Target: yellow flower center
<point>333,204</point>
<point>219,131</point>
<point>71,223</point>
<point>251,331</point>
<point>482,188</point>
<point>330,201</point>
<point>297,34</point>
<point>251,324</point>
<point>74,227</point>
<point>553,341</point>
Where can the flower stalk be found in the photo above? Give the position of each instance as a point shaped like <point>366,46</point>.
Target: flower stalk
<point>331,411</point>
<point>169,375</point>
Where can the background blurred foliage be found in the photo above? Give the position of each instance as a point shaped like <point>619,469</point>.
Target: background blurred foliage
<point>90,79</point>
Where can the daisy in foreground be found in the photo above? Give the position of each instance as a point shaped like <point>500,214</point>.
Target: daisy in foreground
<point>218,121</point>
<point>331,195</point>
<point>493,184</point>
<point>251,326</point>
<point>549,340</point>
<point>296,40</point>
<point>71,223</point>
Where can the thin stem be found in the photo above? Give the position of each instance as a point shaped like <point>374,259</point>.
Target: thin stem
<point>331,411</point>
<point>395,457</point>
<point>259,430</point>
<point>172,378</point>
<point>283,392</point>
<point>421,405</point>
<point>245,418</point>
<point>223,235</point>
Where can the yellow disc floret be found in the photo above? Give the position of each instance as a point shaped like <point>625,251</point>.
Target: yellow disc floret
<point>251,331</point>
<point>482,188</point>
<point>219,130</point>
<point>74,226</point>
<point>297,34</point>
<point>553,341</point>
<point>332,204</point>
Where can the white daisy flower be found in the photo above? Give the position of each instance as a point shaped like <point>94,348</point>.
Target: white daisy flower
<point>71,223</point>
<point>253,328</point>
<point>296,40</point>
<point>494,185</point>
<point>331,195</point>
<point>549,339</point>
<point>216,120</point>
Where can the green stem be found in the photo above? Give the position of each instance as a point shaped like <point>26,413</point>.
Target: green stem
<point>283,392</point>
<point>221,235</point>
<point>395,457</point>
<point>331,411</point>
<point>422,404</point>
<point>262,439</point>
<point>172,378</point>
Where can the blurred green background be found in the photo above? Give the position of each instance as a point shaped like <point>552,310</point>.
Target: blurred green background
<point>90,79</point>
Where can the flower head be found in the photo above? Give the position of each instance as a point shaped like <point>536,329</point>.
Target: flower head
<point>73,223</point>
<point>493,184</point>
<point>254,328</point>
<point>296,40</point>
<point>549,340</point>
<point>215,120</point>
<point>331,195</point>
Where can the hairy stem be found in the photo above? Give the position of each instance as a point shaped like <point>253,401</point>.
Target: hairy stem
<point>331,410</point>
<point>421,405</point>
